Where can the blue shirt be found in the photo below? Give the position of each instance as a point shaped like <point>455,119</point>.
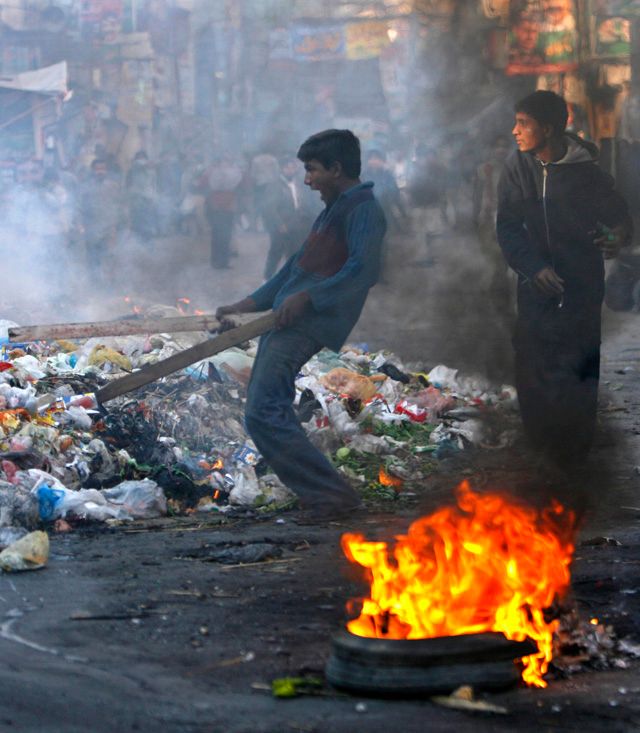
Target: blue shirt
<point>336,300</point>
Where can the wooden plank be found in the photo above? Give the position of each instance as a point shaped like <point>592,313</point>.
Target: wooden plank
<point>153,372</point>
<point>126,327</point>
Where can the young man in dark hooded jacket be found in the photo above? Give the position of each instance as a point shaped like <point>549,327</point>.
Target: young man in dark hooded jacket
<point>318,296</point>
<point>558,217</point>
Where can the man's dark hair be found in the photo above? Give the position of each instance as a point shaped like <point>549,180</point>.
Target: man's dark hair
<point>547,108</point>
<point>333,146</point>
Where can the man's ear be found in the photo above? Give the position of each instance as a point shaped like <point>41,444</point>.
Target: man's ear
<point>548,131</point>
<point>336,169</point>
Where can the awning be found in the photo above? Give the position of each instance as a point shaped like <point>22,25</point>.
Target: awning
<point>49,80</point>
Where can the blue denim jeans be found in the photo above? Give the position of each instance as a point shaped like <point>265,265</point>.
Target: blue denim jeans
<point>274,427</point>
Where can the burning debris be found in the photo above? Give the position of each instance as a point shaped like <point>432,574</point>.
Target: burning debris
<point>486,565</point>
<point>467,572</point>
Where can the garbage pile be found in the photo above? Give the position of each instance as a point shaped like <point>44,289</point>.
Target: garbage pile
<point>179,445</point>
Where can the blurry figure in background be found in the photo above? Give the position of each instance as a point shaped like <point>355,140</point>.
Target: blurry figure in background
<point>385,188</point>
<point>305,203</point>
<point>276,207</point>
<point>169,178</point>
<point>141,186</point>
<point>194,188</point>
<point>497,312</point>
<point>428,199</point>
<point>222,180</point>
<point>55,211</point>
<point>485,209</point>
<point>247,216</point>
<point>100,207</point>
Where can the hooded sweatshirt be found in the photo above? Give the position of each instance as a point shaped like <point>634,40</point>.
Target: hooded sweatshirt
<point>548,216</point>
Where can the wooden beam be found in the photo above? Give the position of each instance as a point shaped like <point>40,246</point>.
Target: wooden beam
<point>153,372</point>
<point>99,329</point>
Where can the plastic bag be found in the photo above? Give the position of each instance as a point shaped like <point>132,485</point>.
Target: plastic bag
<point>28,553</point>
<point>247,488</point>
<point>141,499</point>
<point>378,445</point>
<point>129,500</point>
<point>102,355</point>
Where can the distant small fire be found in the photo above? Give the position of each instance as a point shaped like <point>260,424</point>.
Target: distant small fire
<point>386,479</point>
<point>186,308</point>
<point>487,564</point>
<point>134,308</point>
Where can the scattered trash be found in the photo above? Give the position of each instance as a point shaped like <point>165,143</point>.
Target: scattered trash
<point>63,456</point>
<point>287,687</point>
<point>9,535</point>
<point>28,553</point>
<point>463,699</point>
<point>129,500</point>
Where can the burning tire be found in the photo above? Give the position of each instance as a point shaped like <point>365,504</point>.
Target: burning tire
<point>424,666</point>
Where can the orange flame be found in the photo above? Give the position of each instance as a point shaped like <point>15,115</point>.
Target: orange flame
<point>488,564</point>
<point>386,479</point>
<point>134,308</point>
<point>182,304</point>
<point>217,464</point>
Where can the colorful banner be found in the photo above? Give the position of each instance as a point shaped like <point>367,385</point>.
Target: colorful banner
<point>622,8</point>
<point>367,39</point>
<point>613,37</point>
<point>318,43</point>
<point>543,38</point>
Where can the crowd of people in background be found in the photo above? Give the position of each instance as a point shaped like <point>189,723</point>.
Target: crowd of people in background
<point>80,213</point>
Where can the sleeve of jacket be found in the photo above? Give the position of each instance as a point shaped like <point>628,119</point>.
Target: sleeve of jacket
<point>365,230</point>
<point>516,245</point>
<point>264,296</point>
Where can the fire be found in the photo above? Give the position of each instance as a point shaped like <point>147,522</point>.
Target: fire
<point>386,479</point>
<point>183,305</point>
<point>488,564</point>
<point>134,308</point>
